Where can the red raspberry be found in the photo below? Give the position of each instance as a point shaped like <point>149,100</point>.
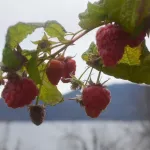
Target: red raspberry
<point>135,41</point>
<point>93,113</point>
<point>95,97</point>
<point>111,41</point>
<point>20,92</point>
<point>54,71</point>
<point>70,68</point>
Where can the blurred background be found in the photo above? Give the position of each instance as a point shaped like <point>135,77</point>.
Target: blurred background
<point>124,125</point>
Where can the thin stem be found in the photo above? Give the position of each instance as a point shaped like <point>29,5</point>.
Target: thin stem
<point>64,52</point>
<point>78,37</point>
<point>57,46</point>
<point>89,76</point>
<point>19,49</point>
<point>70,43</point>
<point>76,34</point>
<point>105,81</point>
<point>83,73</point>
<point>56,53</point>
<point>98,77</point>
<point>66,46</point>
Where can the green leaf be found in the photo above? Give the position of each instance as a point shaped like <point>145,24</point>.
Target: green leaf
<point>49,93</point>
<point>90,53</point>
<point>32,69</point>
<point>130,14</point>
<point>12,59</point>
<point>28,52</point>
<point>93,16</point>
<point>18,33</point>
<point>131,55</point>
<point>54,29</point>
<point>113,9</point>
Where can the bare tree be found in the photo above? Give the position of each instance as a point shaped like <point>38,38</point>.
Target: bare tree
<point>102,141</point>
<point>18,144</point>
<point>73,142</point>
<point>5,136</point>
<point>144,135</point>
<point>94,139</point>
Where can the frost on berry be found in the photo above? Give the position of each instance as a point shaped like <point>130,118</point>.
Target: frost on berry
<point>69,68</point>
<point>37,114</point>
<point>54,71</point>
<point>95,97</point>
<point>20,92</point>
<point>111,41</point>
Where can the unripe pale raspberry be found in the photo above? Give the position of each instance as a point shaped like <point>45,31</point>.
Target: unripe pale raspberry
<point>96,97</point>
<point>19,92</point>
<point>111,41</point>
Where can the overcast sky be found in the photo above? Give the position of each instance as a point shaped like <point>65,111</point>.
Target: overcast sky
<point>65,12</point>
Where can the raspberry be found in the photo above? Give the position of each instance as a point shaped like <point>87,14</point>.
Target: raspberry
<point>37,114</point>
<point>54,71</point>
<point>93,113</point>
<point>19,92</point>
<point>69,68</point>
<point>135,41</point>
<point>95,98</point>
<point>111,41</point>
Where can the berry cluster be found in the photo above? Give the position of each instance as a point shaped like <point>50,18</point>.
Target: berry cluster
<point>20,90</point>
<point>111,41</point>
<point>61,69</point>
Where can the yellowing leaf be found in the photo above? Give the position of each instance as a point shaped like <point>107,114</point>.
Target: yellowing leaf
<point>131,56</point>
